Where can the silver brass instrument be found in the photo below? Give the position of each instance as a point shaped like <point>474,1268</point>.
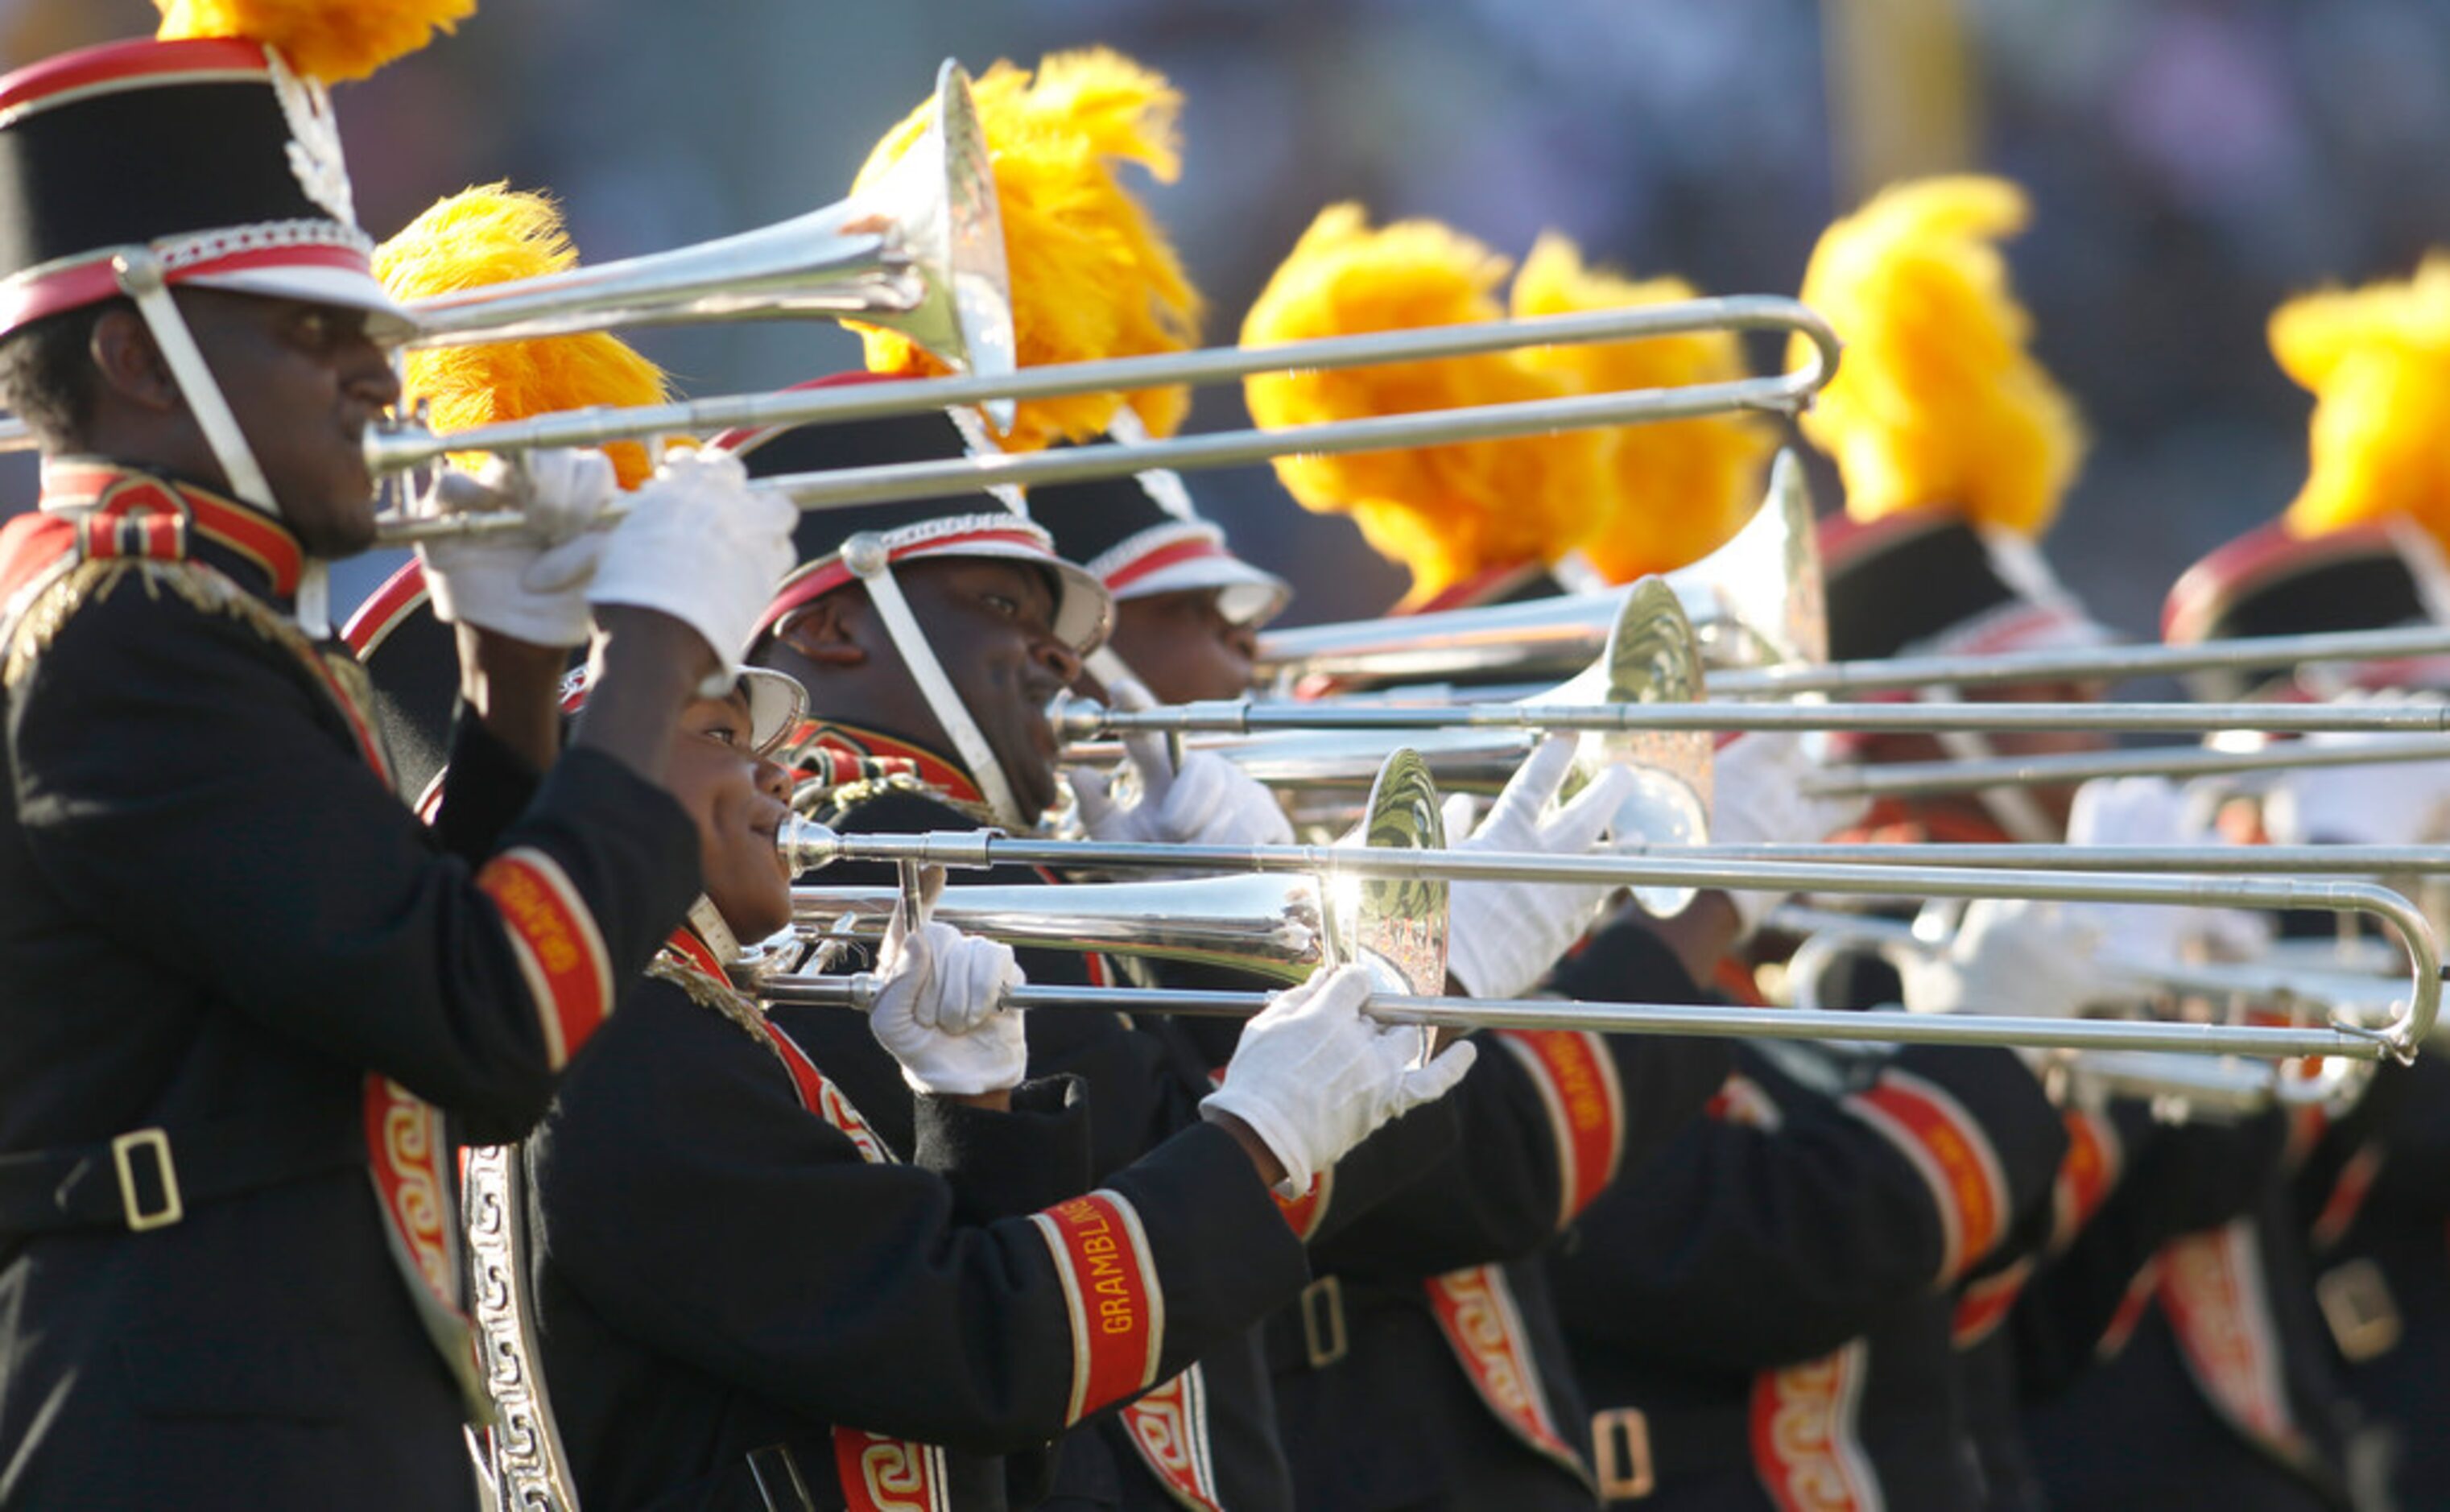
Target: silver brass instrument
<point>1651,659</point>
<point>1286,925</point>
<point>808,845</point>
<point>1756,599</point>
<point>394,447</point>
<point>2181,1086</point>
<point>921,253</point>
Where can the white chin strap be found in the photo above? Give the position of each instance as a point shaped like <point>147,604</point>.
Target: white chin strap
<point>140,276</point>
<point>710,926</point>
<point>867,557</point>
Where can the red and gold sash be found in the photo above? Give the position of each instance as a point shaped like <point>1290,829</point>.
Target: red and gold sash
<point>1476,1311</point>
<point>2212,1289</point>
<point>1168,1426</point>
<point>1805,1449</point>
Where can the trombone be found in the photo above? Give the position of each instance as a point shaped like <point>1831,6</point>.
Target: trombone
<point>1903,779</point>
<point>2186,1085</point>
<point>400,445</point>
<point>1283,927</point>
<point>1758,599</point>
<point>920,252</point>
<point>807,844</point>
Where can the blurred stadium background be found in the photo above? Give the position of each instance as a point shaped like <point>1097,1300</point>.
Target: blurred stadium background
<point>2190,165</point>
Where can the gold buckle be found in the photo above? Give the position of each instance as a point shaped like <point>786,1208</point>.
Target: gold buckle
<point>1620,1450</point>
<point>1322,1315</point>
<point>2356,1302</point>
<point>172,1209</point>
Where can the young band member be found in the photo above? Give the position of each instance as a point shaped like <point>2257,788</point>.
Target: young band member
<point>747,1286</point>
<point>243,982</point>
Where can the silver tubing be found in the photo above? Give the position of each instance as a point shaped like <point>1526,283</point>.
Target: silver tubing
<point>2338,860</point>
<point>1699,1020</point>
<point>1246,717</point>
<point>1903,779</point>
<point>393,449</point>
<point>2095,663</point>
<point>813,844</point>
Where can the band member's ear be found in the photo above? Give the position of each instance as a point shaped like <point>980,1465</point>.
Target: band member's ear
<point>131,365</point>
<point>824,631</point>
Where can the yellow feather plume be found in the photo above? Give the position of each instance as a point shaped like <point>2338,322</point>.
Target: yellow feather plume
<point>336,41</point>
<point>1680,490</point>
<point>1093,275</point>
<point>2377,362</point>
<point>1937,404</point>
<point>1445,512</point>
<point>491,235</point>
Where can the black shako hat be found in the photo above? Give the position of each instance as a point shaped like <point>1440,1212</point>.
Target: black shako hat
<point>210,154</point>
<point>978,523</point>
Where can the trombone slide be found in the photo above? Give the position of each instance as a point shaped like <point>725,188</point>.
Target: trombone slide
<point>1894,1027</point>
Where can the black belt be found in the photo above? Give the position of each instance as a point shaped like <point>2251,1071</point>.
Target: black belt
<point>146,1178</point>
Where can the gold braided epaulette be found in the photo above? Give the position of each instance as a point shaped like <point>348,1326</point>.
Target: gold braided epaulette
<point>92,582</point>
<point>853,794</point>
<point>708,992</point>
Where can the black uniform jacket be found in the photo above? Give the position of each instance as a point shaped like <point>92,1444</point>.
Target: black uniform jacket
<point>1203,1434</point>
<point>724,1270</point>
<point>1429,1369</point>
<point>222,925</point>
<point>2172,1357</point>
<point>1763,1319</point>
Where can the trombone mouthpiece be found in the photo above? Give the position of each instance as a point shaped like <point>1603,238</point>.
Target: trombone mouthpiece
<point>807,844</point>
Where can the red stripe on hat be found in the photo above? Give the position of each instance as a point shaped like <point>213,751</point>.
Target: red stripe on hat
<point>89,282</point>
<point>122,63</point>
<point>828,573</point>
<point>1162,558</point>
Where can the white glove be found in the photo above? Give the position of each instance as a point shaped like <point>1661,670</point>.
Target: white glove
<point>700,546</point>
<point>2387,803</point>
<point>1207,801</point>
<point>941,1011</point>
<point>1313,1076</point>
<point>1507,933</point>
<point>1758,799</point>
<point>2012,957</point>
<point>529,584</point>
<point>2116,812</point>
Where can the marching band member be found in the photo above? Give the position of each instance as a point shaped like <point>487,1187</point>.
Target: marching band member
<point>2361,1237</point>
<point>1769,1320</point>
<point>750,1293</point>
<point>1434,1373</point>
<point>1948,483</point>
<point>245,984</point>
<point>999,625</point>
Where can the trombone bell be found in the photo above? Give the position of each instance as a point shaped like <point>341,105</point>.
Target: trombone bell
<point>921,253</point>
<point>1283,925</point>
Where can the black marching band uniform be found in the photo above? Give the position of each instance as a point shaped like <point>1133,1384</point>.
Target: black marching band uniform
<point>1424,1366</point>
<point>245,987</point>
